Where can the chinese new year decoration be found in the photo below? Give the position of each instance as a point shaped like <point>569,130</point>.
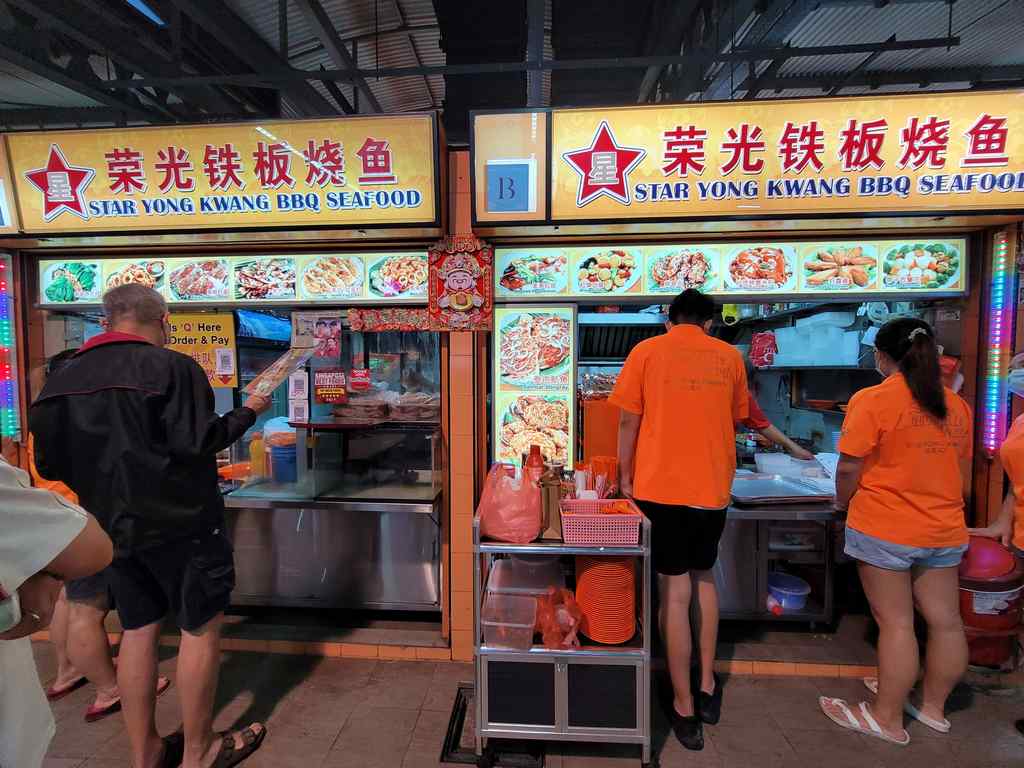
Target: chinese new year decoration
<point>460,292</point>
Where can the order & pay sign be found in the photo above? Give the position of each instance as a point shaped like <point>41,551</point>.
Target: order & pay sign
<point>209,339</point>
<point>345,172</point>
<point>917,153</point>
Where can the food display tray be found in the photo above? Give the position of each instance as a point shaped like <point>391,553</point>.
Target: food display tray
<point>775,489</point>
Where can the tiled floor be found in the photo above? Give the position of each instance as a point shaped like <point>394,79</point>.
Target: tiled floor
<point>346,713</point>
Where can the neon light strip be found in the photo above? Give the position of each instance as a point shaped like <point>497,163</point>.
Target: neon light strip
<point>9,422</point>
<point>1000,331</point>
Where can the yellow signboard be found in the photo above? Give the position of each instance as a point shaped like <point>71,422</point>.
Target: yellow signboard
<point>209,339</point>
<point>347,172</point>
<point>8,210</point>
<point>949,152</point>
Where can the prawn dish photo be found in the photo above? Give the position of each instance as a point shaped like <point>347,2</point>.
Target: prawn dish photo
<point>534,345</point>
<point>610,271</point>
<point>200,280</point>
<point>534,273</point>
<point>272,278</point>
<point>841,267</point>
<point>936,265</point>
<point>332,276</point>
<point>760,268</point>
<point>147,273</point>
<point>536,420</point>
<point>403,275</point>
<point>677,269</point>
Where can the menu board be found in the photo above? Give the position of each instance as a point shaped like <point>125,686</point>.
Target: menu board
<point>828,268</point>
<point>380,278</point>
<point>534,382</point>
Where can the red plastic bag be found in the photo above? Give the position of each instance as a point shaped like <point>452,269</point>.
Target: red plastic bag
<point>510,508</point>
<point>762,349</point>
<point>558,618</point>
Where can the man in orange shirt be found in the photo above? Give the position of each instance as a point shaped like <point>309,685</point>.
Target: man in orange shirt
<point>681,395</point>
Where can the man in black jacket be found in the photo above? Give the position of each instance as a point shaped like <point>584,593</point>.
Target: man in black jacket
<point>131,428</point>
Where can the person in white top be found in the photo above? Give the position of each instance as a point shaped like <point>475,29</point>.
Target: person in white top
<point>44,539</point>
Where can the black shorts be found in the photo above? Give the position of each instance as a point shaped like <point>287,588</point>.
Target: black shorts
<point>191,579</point>
<point>683,539</point>
<point>89,589</point>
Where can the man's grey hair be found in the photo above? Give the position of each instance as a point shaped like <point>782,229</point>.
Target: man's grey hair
<point>133,302</point>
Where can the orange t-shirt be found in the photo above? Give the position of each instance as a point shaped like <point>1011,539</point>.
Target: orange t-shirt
<point>1012,455</point>
<point>690,389</point>
<point>910,491</point>
<point>51,485</point>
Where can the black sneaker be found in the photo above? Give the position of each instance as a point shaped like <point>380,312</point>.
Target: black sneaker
<point>710,707</point>
<point>689,731</point>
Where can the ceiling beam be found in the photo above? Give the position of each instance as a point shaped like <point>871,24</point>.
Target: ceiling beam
<point>34,118</point>
<point>216,18</point>
<point>69,19</point>
<point>307,47</point>
<point>318,19</point>
<point>268,79</point>
<point>668,37</point>
<point>862,65</point>
<point>412,49</point>
<point>534,52</point>
<point>338,95</point>
<point>908,77</point>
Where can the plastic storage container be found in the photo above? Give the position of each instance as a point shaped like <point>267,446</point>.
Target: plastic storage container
<point>775,464</point>
<point>515,577</point>
<point>283,463</point>
<point>991,582</point>
<point>790,591</point>
<point>836,319</point>
<point>508,621</point>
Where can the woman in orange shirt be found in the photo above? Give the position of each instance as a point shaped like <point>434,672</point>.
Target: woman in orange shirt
<point>904,471</point>
<point>1009,526</point>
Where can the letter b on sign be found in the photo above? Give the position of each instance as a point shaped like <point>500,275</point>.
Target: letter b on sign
<point>511,186</point>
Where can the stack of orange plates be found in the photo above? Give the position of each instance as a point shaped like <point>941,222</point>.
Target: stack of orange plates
<point>606,593</point>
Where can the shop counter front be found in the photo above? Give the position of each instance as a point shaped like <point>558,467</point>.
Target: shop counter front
<point>358,527</point>
<point>795,539</point>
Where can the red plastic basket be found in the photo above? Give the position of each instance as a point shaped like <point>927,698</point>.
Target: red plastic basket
<point>583,524</point>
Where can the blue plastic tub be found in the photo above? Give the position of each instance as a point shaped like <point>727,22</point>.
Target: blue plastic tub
<point>790,591</point>
<point>283,463</point>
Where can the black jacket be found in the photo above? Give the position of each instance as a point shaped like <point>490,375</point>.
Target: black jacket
<point>131,428</point>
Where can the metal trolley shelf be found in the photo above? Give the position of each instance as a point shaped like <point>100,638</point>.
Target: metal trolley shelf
<point>596,693</point>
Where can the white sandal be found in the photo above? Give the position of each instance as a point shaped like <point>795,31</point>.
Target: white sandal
<point>940,726</point>
<point>851,723</point>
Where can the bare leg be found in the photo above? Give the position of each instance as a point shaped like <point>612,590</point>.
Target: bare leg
<point>892,605</point>
<point>674,620</point>
<point>198,667</point>
<point>66,672</point>
<point>89,649</point>
<point>936,592</point>
<point>705,626</point>
<point>136,677</point>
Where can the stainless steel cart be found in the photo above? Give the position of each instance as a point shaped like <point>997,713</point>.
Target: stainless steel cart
<point>597,693</point>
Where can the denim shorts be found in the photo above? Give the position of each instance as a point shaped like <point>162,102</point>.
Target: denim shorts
<point>899,557</point>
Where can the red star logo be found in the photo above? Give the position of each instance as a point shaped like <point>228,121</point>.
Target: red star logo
<point>62,185</point>
<point>603,167</point>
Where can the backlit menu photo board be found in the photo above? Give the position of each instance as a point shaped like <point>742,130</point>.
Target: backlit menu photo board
<point>919,265</point>
<point>534,382</point>
<point>379,278</point>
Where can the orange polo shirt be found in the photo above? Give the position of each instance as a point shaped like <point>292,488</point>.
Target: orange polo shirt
<point>690,389</point>
<point>910,490</point>
<point>51,485</point>
<point>1011,453</point>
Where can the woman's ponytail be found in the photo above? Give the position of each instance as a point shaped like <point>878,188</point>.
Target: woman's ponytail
<point>911,343</point>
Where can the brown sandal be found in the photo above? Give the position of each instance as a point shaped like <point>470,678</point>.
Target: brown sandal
<point>229,756</point>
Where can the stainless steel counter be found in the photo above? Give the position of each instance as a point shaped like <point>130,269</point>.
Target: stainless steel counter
<point>782,512</point>
<point>361,553</point>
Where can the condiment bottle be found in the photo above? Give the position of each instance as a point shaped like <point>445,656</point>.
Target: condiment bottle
<point>257,457</point>
<point>534,465</point>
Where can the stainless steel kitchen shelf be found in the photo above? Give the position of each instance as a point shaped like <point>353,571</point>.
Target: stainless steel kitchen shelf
<point>564,705</point>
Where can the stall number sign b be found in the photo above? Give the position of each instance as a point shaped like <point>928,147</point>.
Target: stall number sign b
<point>512,186</point>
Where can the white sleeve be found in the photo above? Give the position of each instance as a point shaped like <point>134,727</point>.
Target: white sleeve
<point>35,526</point>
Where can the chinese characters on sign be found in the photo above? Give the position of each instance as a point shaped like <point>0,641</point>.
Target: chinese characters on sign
<point>951,152</point>
<point>347,172</point>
